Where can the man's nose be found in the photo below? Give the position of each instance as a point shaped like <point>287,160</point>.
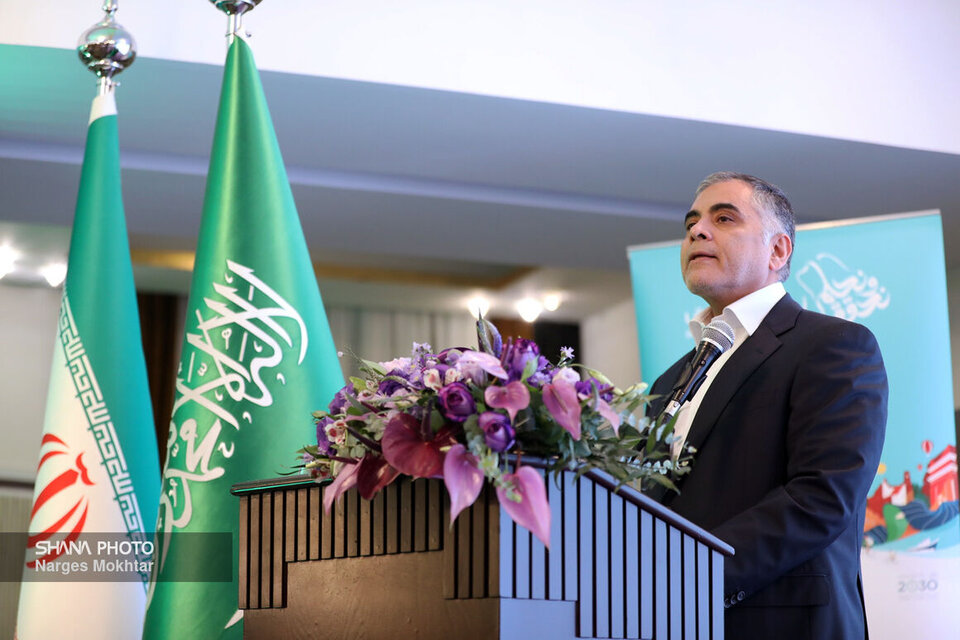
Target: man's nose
<point>698,230</point>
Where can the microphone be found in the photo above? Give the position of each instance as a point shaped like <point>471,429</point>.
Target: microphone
<point>716,338</point>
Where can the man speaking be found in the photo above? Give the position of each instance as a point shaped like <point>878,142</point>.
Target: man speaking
<point>788,424</point>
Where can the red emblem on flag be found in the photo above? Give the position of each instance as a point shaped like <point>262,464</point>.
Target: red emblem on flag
<point>57,495</point>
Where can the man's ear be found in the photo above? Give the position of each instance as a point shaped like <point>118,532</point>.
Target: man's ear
<point>781,251</point>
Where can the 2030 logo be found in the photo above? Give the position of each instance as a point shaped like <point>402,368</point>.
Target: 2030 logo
<point>917,585</point>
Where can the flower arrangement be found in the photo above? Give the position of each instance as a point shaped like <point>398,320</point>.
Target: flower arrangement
<point>472,415</point>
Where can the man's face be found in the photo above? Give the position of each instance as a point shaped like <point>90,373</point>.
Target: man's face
<point>726,253</point>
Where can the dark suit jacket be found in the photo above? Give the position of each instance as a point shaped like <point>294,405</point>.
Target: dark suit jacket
<point>789,436</point>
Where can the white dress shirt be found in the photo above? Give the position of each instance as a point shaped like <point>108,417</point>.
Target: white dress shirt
<point>744,316</point>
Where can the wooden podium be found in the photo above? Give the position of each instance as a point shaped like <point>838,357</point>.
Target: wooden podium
<point>619,566</point>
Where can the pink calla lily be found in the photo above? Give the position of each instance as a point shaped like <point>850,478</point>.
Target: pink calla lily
<point>513,397</point>
<point>533,510</point>
<point>407,452</point>
<point>607,412</point>
<point>471,361</point>
<point>345,480</point>
<point>463,479</point>
<point>560,398</point>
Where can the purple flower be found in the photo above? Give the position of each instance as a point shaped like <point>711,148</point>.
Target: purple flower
<point>497,432</point>
<point>517,354</point>
<point>389,387</point>
<point>585,389</point>
<point>456,403</point>
<point>340,402</point>
<point>323,442</point>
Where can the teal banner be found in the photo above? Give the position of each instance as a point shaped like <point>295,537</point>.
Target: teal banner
<point>886,273</point>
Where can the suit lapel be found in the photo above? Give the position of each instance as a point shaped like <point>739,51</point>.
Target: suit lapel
<point>744,361</point>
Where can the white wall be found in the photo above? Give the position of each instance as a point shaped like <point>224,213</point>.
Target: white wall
<point>866,70</point>
<point>608,343</point>
<point>28,327</point>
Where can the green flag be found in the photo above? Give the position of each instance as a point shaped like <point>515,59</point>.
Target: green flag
<point>98,477</point>
<point>257,359</point>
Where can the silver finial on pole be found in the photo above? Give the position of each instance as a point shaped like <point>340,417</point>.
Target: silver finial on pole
<point>234,10</point>
<point>106,48</point>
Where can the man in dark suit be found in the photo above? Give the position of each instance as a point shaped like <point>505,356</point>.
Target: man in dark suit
<point>788,426</point>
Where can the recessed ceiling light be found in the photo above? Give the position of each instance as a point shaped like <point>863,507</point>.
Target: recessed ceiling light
<point>529,309</point>
<point>478,305</point>
<point>54,273</point>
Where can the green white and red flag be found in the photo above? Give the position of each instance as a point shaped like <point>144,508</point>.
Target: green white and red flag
<point>98,473</point>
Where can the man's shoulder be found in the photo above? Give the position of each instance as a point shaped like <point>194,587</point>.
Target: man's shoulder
<point>816,330</point>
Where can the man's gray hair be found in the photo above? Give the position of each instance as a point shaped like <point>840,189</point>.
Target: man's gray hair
<point>769,199</point>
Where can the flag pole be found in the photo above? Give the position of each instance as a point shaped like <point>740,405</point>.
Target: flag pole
<point>106,49</point>
<point>234,10</point>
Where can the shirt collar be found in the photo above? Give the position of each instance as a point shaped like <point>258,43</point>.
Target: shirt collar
<point>744,315</point>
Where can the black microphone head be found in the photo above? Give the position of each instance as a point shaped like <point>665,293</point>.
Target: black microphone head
<point>718,333</point>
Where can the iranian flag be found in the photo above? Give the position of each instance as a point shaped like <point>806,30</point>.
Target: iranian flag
<point>98,476</point>
<point>257,359</point>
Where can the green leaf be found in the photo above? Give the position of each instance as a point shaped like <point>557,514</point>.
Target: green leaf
<point>529,369</point>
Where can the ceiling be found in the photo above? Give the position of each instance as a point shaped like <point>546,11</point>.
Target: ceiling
<point>407,192</point>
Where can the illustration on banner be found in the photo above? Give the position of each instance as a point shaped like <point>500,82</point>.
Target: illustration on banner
<point>834,289</point>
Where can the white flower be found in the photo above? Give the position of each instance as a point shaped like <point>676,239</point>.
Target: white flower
<point>567,374</point>
<point>431,379</point>
<point>452,375</point>
<point>397,363</point>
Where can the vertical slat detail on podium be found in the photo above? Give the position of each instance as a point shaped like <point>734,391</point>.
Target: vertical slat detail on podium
<point>676,584</point>
<point>351,524</point>
<point>464,525</point>
<point>689,587</point>
<point>266,549</point>
<point>478,547</point>
<point>392,517</point>
<point>704,592</point>
<point>290,524</point>
<point>716,580</point>
<point>406,515</point>
<point>633,570</point>
<point>601,564</point>
<point>555,555</point>
<point>243,566</point>
<point>303,523</point>
<point>538,564</point>
<point>449,557</point>
<point>254,595</point>
<point>338,528</point>
<point>366,528</point>
<point>493,545</point>
<point>315,524</point>
<point>508,557</point>
<point>648,572</point>
<point>521,568</point>
<point>571,538</point>
<point>586,616</point>
<point>435,515</point>
<point>617,575</point>
<point>661,609</point>
<point>277,591</point>
<point>326,532</point>
<point>420,515</point>
<point>379,523</point>
<point>278,588</point>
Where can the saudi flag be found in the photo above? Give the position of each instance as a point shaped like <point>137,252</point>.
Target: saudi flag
<point>257,359</point>
<point>98,476</point>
